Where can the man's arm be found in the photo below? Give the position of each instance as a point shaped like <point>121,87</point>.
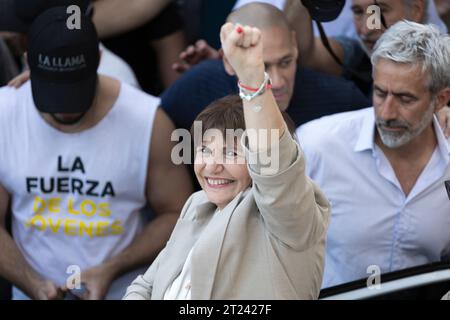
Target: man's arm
<point>312,52</point>
<point>168,188</point>
<point>167,50</point>
<point>112,17</point>
<point>13,266</point>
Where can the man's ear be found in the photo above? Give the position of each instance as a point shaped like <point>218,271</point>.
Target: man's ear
<point>294,44</point>
<point>228,68</point>
<point>442,99</point>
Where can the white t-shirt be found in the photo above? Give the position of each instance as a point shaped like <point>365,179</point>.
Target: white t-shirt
<point>76,198</point>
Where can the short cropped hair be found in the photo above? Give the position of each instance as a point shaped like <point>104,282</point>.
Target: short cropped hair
<point>259,15</point>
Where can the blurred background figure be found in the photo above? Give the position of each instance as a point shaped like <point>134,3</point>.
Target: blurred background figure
<point>343,25</point>
<point>151,44</point>
<point>139,48</point>
<point>16,17</point>
<point>349,56</point>
<point>304,94</point>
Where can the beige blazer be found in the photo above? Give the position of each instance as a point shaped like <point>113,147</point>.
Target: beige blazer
<point>268,243</point>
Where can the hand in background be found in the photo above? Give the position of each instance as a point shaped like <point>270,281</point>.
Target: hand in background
<point>47,290</point>
<point>195,54</point>
<point>97,281</point>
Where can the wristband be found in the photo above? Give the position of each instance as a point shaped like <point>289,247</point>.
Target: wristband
<point>249,93</point>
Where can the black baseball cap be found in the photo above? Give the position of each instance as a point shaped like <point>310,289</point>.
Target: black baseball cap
<point>63,62</point>
<point>18,15</point>
<point>324,10</point>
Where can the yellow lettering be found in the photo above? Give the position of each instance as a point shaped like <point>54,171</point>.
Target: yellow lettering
<point>102,229</point>
<point>70,207</point>
<point>42,226</point>
<point>116,228</point>
<point>54,205</point>
<point>93,209</point>
<point>104,209</point>
<point>54,227</point>
<point>68,229</point>
<point>88,229</point>
<point>38,205</point>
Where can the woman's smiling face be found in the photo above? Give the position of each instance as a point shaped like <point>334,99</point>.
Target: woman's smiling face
<point>221,169</point>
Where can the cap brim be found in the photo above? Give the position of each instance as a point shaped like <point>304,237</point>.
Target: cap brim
<point>9,20</point>
<point>54,97</point>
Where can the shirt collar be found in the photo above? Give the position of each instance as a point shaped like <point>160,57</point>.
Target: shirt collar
<point>442,142</point>
<point>366,138</point>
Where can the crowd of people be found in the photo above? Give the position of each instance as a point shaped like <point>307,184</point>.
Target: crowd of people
<point>311,155</point>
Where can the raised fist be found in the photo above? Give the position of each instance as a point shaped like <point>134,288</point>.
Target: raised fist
<point>242,47</point>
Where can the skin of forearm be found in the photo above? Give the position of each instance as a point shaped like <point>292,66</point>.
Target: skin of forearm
<point>112,17</point>
<point>168,50</point>
<point>267,118</point>
<point>13,266</point>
